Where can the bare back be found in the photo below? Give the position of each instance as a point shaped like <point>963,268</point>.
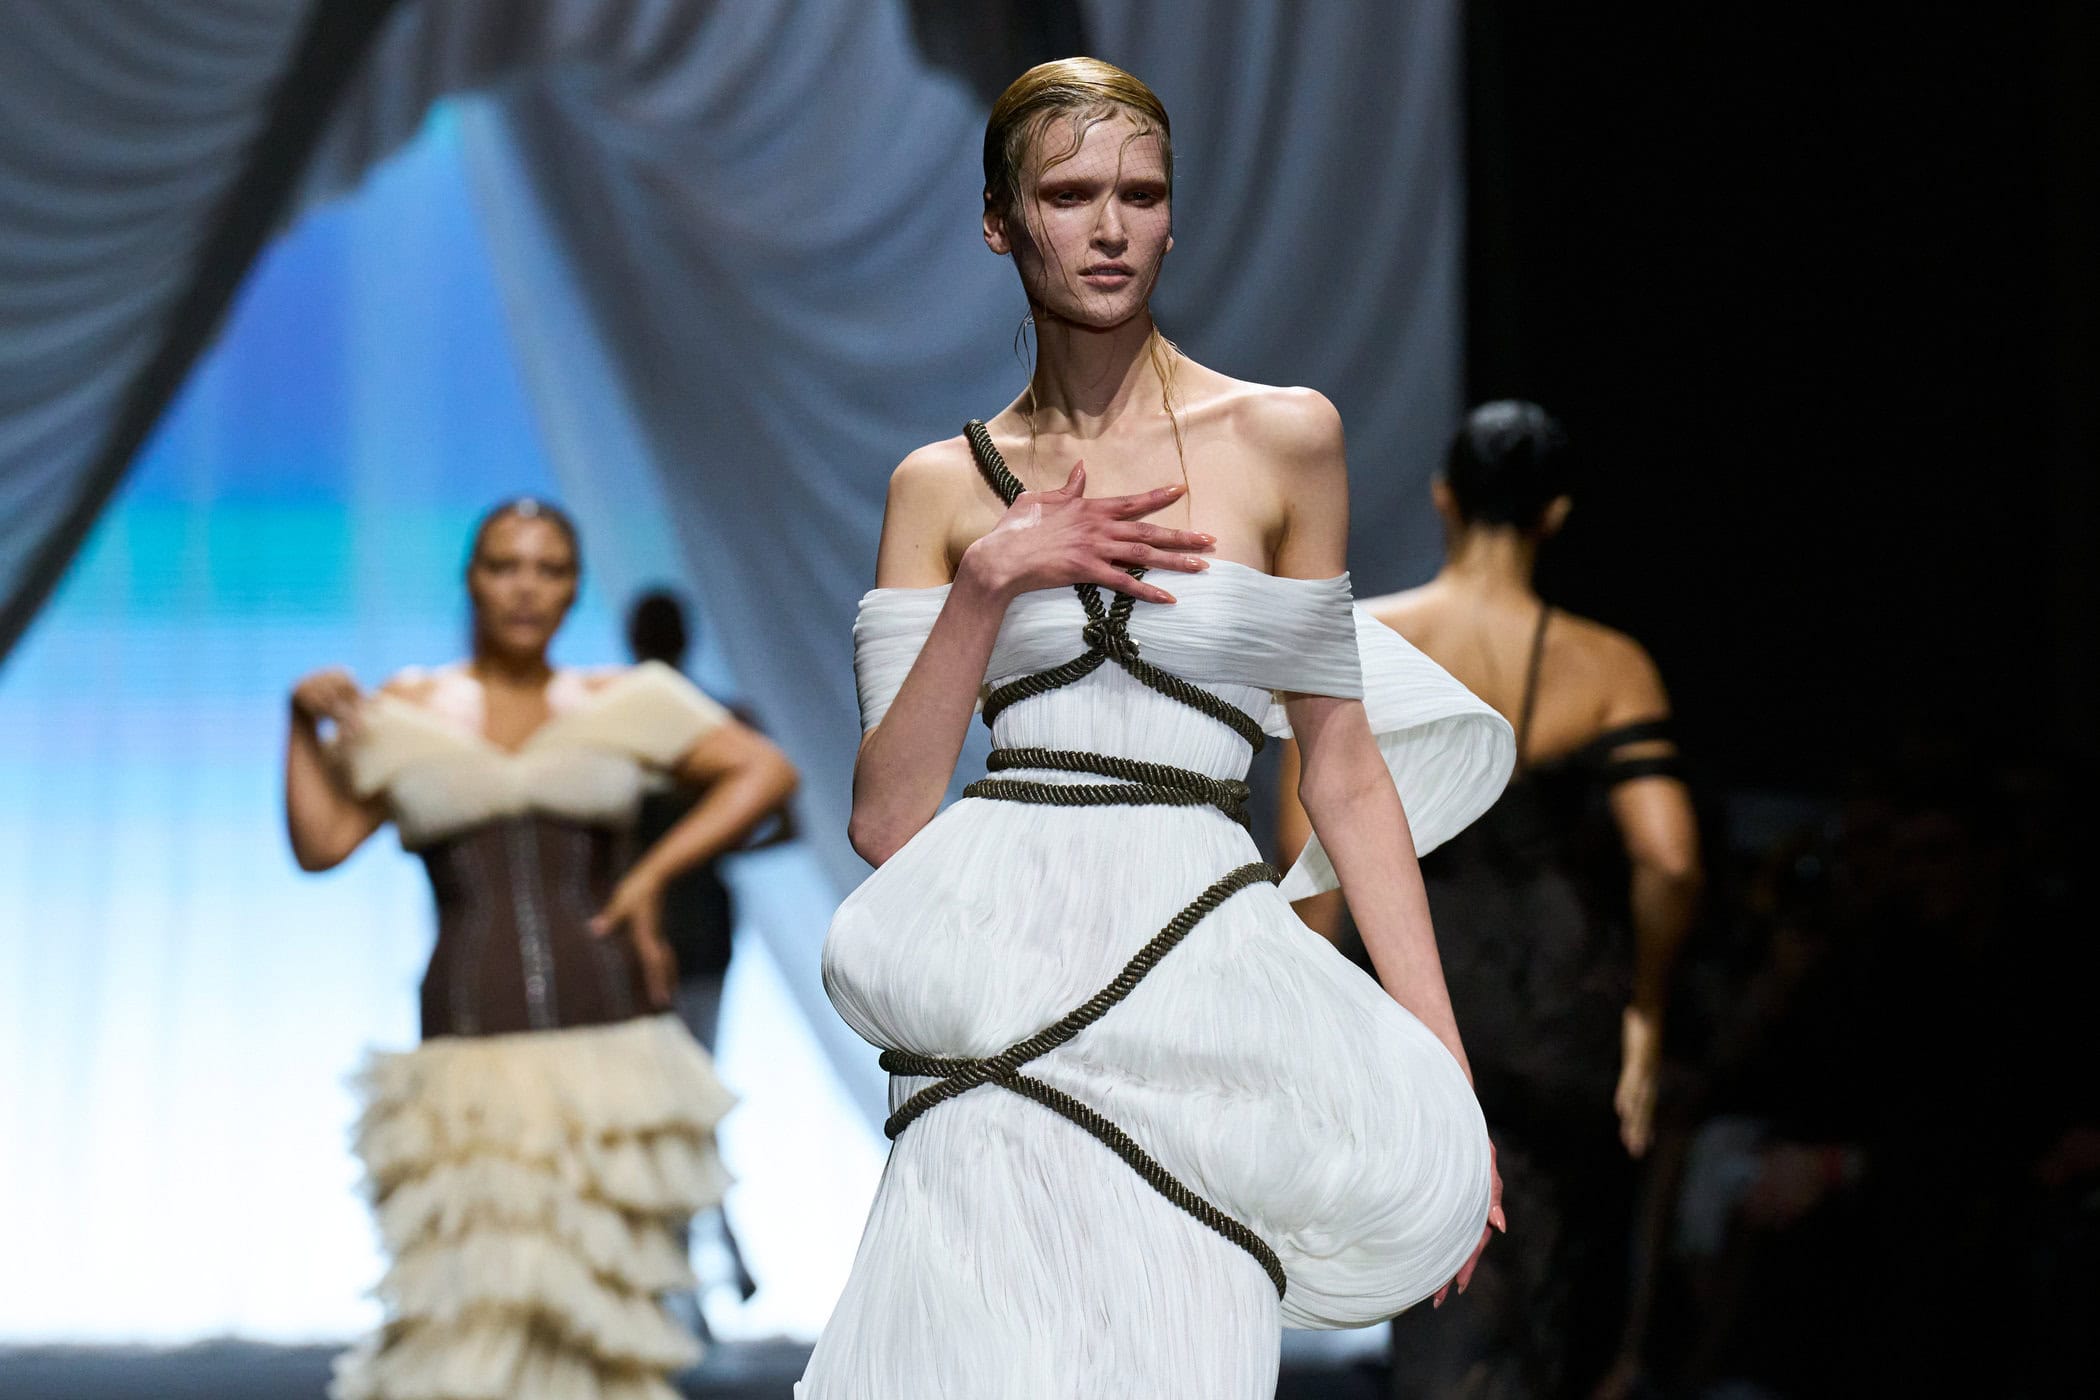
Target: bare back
<point>1583,679</point>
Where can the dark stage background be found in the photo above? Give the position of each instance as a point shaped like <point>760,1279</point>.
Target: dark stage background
<point>1814,293</point>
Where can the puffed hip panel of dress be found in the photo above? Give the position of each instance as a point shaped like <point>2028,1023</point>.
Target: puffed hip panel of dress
<point>1254,1063</point>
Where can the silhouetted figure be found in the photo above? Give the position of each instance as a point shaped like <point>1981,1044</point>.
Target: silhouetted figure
<point>1558,916</point>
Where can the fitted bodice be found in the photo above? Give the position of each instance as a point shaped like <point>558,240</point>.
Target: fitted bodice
<point>523,845</point>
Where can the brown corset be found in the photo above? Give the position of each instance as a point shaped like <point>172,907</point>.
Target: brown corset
<point>513,952</point>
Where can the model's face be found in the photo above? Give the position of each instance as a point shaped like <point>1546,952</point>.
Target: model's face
<point>1093,228</point>
<point>522,581</point>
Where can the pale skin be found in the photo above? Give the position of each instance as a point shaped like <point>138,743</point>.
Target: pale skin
<point>1476,619</point>
<point>522,582</point>
<point>1265,486</point>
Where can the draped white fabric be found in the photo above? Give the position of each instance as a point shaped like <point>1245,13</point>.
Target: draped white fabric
<point>122,126</point>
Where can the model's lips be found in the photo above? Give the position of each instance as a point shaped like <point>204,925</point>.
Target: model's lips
<point>1107,270</point>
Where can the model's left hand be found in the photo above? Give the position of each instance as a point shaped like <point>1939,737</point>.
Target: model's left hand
<point>637,905</point>
<point>1640,1065</point>
<point>1496,1221</point>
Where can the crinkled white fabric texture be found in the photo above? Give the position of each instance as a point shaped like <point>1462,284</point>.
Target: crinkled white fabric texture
<point>529,1188</point>
<point>1450,753</point>
<point>1009,1253</point>
<point>587,764</point>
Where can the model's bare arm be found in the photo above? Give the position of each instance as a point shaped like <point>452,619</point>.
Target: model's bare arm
<point>1044,540</point>
<point>325,820</point>
<point>1660,832</point>
<point>1323,913</point>
<point>1343,783</point>
<point>743,778</point>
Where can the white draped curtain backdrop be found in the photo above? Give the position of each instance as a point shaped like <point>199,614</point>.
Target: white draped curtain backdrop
<point>738,252</point>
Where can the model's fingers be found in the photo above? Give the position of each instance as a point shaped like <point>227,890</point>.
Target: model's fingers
<point>607,919</point>
<point>1137,588</point>
<point>1441,1294</point>
<point>1144,556</point>
<point>1075,481</point>
<point>656,975</point>
<point>1497,1219</point>
<point>1144,502</point>
<point>1633,1130</point>
<point>1160,537</point>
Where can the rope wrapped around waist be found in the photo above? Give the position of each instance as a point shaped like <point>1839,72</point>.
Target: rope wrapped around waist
<point>958,1076</point>
<point>1142,784</point>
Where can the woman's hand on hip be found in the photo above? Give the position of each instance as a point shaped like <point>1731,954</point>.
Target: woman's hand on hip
<point>637,905</point>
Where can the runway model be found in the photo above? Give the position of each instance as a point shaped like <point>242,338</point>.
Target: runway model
<point>532,1162</point>
<point>1560,915</point>
<point>1142,1114</point>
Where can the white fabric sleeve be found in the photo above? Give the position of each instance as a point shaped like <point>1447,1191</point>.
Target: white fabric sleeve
<point>888,634</point>
<point>1449,752</point>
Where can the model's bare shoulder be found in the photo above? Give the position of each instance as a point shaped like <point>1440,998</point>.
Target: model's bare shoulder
<point>1619,669</point>
<point>926,494</point>
<point>936,471</point>
<point>415,684</point>
<point>1406,612</point>
<point>1291,425</point>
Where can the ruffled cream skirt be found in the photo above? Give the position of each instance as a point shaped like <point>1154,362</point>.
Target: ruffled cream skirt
<point>530,1190</point>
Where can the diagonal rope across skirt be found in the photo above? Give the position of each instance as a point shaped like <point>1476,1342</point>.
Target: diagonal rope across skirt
<point>955,1077</point>
<point>1137,783</point>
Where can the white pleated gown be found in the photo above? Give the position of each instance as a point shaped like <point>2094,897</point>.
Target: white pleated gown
<point>1010,1254</point>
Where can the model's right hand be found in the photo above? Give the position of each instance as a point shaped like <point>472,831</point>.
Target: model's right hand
<point>1049,539</point>
<point>329,694</point>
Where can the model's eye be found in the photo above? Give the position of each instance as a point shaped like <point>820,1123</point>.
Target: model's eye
<point>1068,197</point>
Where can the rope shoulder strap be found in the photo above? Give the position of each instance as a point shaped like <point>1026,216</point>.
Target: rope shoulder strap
<point>1107,631</point>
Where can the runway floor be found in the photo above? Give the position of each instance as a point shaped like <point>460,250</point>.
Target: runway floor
<point>251,1371</point>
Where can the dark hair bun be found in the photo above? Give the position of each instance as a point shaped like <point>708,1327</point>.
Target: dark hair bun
<point>656,629</point>
<point>1507,464</point>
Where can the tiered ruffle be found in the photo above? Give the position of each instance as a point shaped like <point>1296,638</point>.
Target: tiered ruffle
<point>530,1189</point>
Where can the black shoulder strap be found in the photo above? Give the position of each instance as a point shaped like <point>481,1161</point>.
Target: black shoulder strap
<point>1531,684</point>
<point>990,464</point>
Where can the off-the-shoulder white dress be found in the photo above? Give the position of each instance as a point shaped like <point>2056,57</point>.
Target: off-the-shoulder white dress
<point>1011,1253</point>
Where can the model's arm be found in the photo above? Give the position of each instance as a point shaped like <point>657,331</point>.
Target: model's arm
<point>1660,833</point>
<point>1343,783</point>
<point>325,820</point>
<point>1325,912</point>
<point>1045,539</point>
<point>742,777</point>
